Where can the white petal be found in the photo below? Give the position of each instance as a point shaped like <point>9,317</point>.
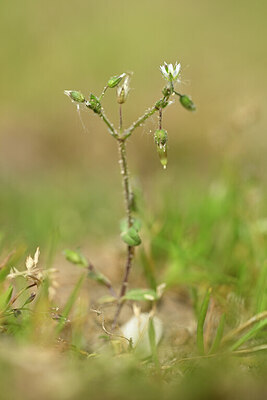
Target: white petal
<point>137,330</point>
<point>177,69</point>
<point>170,69</point>
<point>29,263</point>
<point>36,256</point>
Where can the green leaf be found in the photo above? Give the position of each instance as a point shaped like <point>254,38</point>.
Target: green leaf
<point>219,335</point>
<point>141,294</point>
<point>94,104</point>
<point>4,272</point>
<point>5,298</point>
<point>98,277</point>
<point>152,341</point>
<point>252,332</point>
<point>131,237</point>
<point>75,257</point>
<point>106,299</point>
<point>201,321</point>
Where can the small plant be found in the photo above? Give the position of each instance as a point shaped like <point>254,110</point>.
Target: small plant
<point>130,227</point>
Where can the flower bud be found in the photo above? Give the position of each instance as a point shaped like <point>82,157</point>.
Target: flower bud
<point>123,90</point>
<point>94,104</point>
<point>187,103</point>
<point>161,139</point>
<point>115,80</point>
<point>75,95</point>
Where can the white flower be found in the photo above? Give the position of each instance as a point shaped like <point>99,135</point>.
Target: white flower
<point>136,329</point>
<point>170,72</point>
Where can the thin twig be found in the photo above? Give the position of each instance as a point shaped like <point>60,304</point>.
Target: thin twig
<point>130,249</point>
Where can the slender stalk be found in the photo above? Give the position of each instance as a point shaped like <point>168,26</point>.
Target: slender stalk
<point>120,124</point>
<point>160,118</point>
<point>139,121</point>
<point>130,249</point>
<point>111,128</point>
<point>103,92</point>
<point>146,115</point>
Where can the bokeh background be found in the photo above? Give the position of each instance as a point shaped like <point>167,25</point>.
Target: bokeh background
<point>60,182</point>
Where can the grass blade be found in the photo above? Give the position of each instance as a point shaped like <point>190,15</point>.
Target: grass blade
<point>219,335</point>
<point>201,322</point>
<point>70,302</point>
<point>252,332</point>
<point>152,342</point>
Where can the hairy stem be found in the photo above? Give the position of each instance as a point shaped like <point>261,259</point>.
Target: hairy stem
<point>146,115</point>
<point>111,128</point>
<point>140,121</point>
<point>127,199</point>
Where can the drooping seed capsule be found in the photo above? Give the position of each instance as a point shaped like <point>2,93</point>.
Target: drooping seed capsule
<point>161,139</point>
<point>187,103</point>
<point>75,95</point>
<point>115,80</point>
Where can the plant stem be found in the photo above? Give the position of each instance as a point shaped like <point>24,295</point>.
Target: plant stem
<point>130,249</point>
<point>111,128</point>
<point>140,121</point>
<point>120,123</point>
<point>145,116</point>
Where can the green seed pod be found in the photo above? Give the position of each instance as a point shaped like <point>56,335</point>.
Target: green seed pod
<point>75,95</point>
<point>94,104</point>
<point>115,80</point>
<point>161,139</point>
<point>187,103</point>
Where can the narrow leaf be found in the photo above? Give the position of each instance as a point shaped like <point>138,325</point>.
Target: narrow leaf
<point>201,322</point>
<point>152,342</point>
<point>219,335</point>
<point>70,302</point>
<point>141,294</point>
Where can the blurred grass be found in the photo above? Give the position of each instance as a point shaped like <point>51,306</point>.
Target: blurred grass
<point>49,47</point>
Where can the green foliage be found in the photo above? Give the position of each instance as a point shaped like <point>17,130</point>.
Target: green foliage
<point>75,257</point>
<point>219,335</point>
<point>131,237</point>
<point>94,104</point>
<point>5,298</point>
<point>141,295</point>
<point>201,321</point>
<point>152,342</point>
